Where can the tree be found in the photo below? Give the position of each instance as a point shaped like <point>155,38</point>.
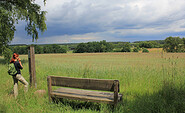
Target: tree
<point>11,11</point>
<point>183,39</point>
<point>81,48</point>
<point>146,44</point>
<point>126,47</point>
<point>58,49</point>
<point>7,53</point>
<point>92,47</point>
<point>173,44</point>
<point>38,49</point>
<point>47,49</point>
<point>105,46</point>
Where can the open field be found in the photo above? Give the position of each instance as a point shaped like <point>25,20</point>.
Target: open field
<point>149,82</point>
<point>155,50</point>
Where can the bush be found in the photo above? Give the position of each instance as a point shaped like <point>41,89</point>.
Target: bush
<point>135,50</point>
<point>126,48</point>
<point>7,53</point>
<point>145,50</point>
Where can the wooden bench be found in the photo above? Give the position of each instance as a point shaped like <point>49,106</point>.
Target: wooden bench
<point>84,89</point>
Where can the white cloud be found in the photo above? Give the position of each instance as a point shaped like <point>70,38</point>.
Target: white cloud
<point>66,10</point>
<point>91,20</point>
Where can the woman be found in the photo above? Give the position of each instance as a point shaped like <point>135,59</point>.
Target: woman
<point>18,77</point>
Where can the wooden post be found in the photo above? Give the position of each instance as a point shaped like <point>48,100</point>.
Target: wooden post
<point>31,58</point>
<point>116,84</point>
<point>49,87</point>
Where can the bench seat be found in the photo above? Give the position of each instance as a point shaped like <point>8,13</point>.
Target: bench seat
<point>86,89</point>
<point>87,95</point>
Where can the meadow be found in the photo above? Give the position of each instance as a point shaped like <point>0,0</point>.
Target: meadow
<point>150,82</point>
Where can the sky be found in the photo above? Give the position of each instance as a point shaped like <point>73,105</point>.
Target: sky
<point>76,21</point>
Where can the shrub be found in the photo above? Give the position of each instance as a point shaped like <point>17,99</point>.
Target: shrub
<point>135,50</point>
<point>145,50</point>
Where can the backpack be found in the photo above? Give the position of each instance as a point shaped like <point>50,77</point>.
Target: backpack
<point>11,69</point>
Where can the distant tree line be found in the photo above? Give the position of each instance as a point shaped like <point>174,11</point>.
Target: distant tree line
<point>158,41</point>
<point>93,47</point>
<point>128,47</point>
<point>149,44</point>
<point>170,44</point>
<point>103,46</point>
<point>53,48</point>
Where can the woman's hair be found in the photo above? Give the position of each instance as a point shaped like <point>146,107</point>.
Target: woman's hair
<point>15,55</point>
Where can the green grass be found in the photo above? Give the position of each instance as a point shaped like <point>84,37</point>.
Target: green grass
<point>149,82</point>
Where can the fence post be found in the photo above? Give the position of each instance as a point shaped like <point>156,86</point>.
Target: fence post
<point>32,72</point>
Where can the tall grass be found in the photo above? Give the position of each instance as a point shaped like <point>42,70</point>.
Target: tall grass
<point>149,82</point>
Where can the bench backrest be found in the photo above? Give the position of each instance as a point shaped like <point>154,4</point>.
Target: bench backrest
<point>83,83</point>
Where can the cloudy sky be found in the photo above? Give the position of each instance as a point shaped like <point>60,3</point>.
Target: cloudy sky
<point>74,21</point>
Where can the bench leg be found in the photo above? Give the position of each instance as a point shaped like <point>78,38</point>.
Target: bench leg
<point>116,92</point>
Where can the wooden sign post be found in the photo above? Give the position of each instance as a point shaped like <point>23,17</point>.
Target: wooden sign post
<point>31,58</point>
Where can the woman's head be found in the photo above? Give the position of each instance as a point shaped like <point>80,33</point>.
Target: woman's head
<point>14,57</point>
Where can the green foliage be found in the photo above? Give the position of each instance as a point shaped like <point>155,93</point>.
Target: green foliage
<point>53,49</point>
<point>183,39</point>
<point>58,49</point>
<point>92,47</point>
<point>145,50</point>
<point>7,53</point>
<point>158,41</point>
<point>126,47</point>
<point>38,49</point>
<point>20,49</point>
<point>150,44</point>
<point>7,27</point>
<point>174,44</point>
<point>135,50</point>
<point>14,10</point>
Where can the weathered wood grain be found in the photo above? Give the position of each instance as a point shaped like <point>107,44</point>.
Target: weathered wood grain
<point>83,83</point>
<point>116,92</point>
<point>32,72</point>
<point>100,94</point>
<point>76,88</point>
<point>92,96</point>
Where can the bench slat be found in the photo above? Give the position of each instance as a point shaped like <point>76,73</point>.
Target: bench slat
<point>94,96</point>
<point>83,83</point>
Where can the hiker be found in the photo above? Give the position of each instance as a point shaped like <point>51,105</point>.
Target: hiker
<point>18,77</point>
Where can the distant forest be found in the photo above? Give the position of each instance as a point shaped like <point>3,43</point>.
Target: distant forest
<point>170,44</point>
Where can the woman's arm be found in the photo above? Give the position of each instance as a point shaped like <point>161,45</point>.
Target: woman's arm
<point>20,63</point>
